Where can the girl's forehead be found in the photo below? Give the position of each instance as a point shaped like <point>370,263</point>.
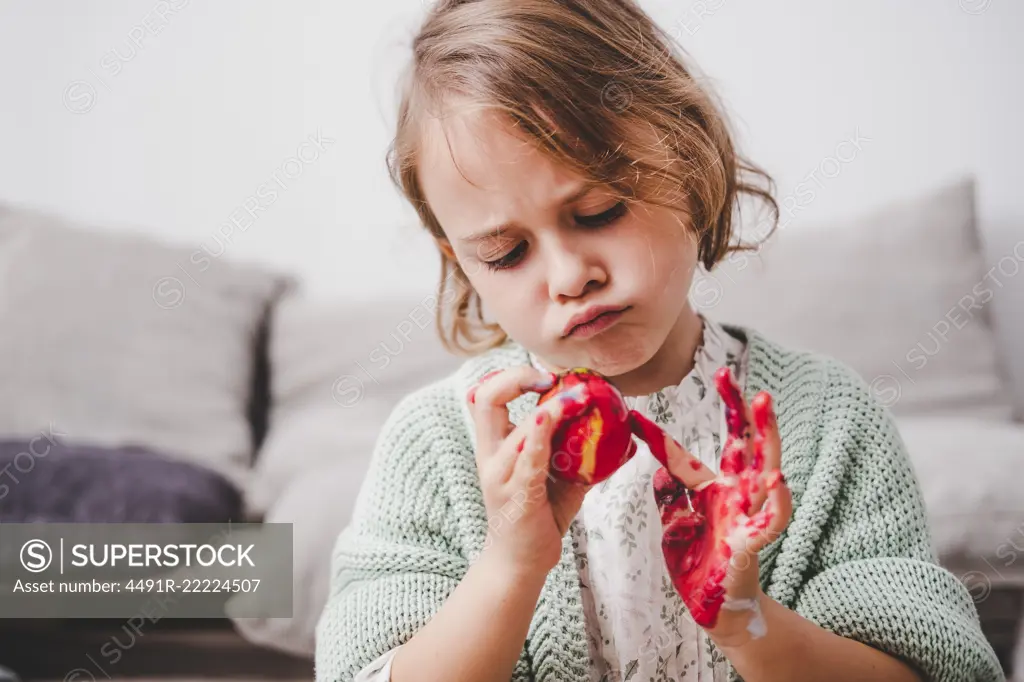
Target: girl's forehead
<point>477,160</point>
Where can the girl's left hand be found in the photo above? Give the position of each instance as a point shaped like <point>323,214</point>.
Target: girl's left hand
<point>714,526</point>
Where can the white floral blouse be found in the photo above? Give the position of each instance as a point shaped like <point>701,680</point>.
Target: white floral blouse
<point>638,628</point>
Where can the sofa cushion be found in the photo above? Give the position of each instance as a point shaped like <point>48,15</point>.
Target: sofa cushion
<point>317,504</point>
<point>46,480</point>
<point>899,294</point>
<point>338,368</point>
<point>968,471</point>
<point>112,339</point>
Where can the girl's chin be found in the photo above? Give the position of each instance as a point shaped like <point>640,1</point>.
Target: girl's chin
<point>612,359</point>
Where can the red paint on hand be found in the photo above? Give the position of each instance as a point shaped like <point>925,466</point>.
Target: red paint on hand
<point>764,418</point>
<point>693,542</point>
<point>593,438</point>
<point>650,433</point>
<point>697,524</point>
<point>735,412</point>
<point>735,418</point>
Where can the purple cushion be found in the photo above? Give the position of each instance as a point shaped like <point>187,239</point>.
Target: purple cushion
<point>46,481</point>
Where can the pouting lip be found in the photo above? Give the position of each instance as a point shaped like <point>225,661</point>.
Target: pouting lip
<point>589,315</point>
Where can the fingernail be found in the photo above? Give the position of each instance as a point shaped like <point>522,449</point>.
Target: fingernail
<point>545,383</point>
<point>471,396</point>
<point>519,448</point>
<point>541,417</point>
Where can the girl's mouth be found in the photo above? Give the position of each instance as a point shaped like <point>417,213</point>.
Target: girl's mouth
<point>597,325</point>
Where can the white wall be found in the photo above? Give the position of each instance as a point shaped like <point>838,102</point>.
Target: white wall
<point>177,133</point>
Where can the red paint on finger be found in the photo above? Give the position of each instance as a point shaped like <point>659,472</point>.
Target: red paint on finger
<point>764,421</point>
<point>732,456</point>
<point>758,461</point>
<point>667,488</point>
<point>762,409</point>
<point>522,444</point>
<point>695,464</point>
<point>650,433</point>
<point>735,411</point>
<point>759,523</point>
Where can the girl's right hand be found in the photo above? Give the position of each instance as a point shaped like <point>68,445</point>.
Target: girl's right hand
<point>528,511</point>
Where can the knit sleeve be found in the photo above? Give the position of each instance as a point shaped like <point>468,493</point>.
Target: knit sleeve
<point>397,561</point>
<point>874,577</point>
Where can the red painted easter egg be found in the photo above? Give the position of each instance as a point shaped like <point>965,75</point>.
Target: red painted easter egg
<point>593,439</point>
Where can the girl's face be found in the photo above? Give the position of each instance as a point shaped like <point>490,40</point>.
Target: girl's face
<point>543,248</point>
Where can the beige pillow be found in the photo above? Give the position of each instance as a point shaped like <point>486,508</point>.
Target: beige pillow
<point>315,504</point>
<point>110,338</point>
<point>338,368</point>
<point>900,294</point>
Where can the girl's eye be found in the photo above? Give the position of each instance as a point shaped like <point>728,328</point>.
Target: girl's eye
<point>603,218</point>
<point>509,260</point>
<point>513,257</point>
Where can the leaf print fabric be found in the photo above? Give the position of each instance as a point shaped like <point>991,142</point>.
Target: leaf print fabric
<point>637,626</point>
<point>660,410</point>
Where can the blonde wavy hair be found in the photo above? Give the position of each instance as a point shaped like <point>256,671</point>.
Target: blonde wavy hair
<point>598,87</point>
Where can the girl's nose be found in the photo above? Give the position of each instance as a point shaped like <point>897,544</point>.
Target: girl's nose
<point>572,273</point>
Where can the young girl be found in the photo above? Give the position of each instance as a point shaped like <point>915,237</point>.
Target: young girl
<point>573,174</point>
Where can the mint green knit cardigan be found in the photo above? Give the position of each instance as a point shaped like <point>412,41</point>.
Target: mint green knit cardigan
<point>856,558</point>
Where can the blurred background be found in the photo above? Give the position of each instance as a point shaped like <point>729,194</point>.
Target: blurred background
<point>202,257</point>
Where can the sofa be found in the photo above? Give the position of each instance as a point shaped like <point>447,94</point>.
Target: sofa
<point>234,369</point>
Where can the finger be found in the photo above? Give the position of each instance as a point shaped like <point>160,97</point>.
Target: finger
<point>767,443</point>
<point>566,498</point>
<point>737,453</point>
<point>471,395</point>
<point>669,491</point>
<point>767,524</point>
<point>503,462</point>
<point>679,520</point>
<point>755,493</point>
<point>673,456</point>
<point>488,402</point>
<point>735,408</point>
<point>535,459</point>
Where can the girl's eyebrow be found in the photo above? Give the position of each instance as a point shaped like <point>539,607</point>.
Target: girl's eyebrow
<point>574,193</point>
<point>489,233</point>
